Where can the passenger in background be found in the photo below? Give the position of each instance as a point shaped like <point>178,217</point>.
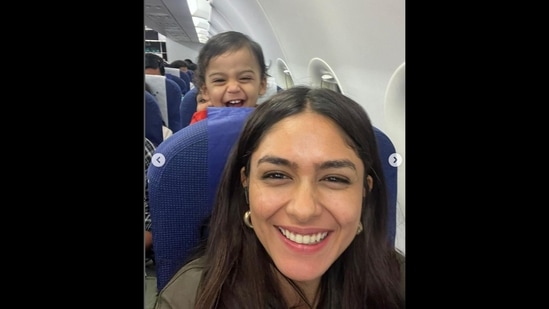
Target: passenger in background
<point>191,65</point>
<point>293,228</point>
<point>154,64</point>
<point>231,70</point>
<point>185,73</point>
<point>179,64</point>
<point>201,108</point>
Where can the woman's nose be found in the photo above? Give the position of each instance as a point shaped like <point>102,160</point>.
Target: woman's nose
<point>304,203</point>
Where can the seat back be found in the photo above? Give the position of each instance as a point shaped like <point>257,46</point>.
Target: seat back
<point>173,74</point>
<point>168,95</point>
<point>188,106</point>
<point>183,179</point>
<point>153,120</point>
<point>184,76</point>
<point>190,73</point>
<point>386,151</point>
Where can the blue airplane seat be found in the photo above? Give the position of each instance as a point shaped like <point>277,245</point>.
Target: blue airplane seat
<point>153,120</point>
<point>168,95</point>
<point>180,82</point>
<point>184,76</point>
<point>183,178</point>
<point>188,106</point>
<point>173,74</point>
<point>190,73</point>
<point>386,148</point>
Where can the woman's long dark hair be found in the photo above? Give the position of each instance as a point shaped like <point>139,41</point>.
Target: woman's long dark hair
<point>240,274</point>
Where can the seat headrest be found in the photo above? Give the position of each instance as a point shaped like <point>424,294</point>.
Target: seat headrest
<point>224,126</point>
<point>183,178</point>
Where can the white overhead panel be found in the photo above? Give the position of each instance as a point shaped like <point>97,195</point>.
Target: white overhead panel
<point>201,13</point>
<point>202,23</point>
<point>171,18</point>
<point>200,8</point>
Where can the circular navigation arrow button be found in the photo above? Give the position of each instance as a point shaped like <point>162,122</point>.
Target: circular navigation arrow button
<point>395,159</point>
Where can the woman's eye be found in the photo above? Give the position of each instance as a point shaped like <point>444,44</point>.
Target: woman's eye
<point>274,176</point>
<point>337,179</point>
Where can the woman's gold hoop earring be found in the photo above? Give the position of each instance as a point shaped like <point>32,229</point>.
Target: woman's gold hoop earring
<point>247,219</point>
<point>359,229</point>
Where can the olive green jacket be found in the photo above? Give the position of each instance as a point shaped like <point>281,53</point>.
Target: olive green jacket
<point>180,291</point>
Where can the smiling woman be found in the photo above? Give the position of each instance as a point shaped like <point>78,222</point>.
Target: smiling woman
<point>305,206</point>
<point>353,47</point>
<point>303,199</point>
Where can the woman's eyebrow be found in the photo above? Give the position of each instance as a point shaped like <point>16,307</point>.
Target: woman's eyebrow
<point>338,164</point>
<point>344,163</point>
<point>274,160</point>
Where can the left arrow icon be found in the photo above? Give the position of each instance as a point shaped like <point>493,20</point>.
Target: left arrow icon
<point>158,159</point>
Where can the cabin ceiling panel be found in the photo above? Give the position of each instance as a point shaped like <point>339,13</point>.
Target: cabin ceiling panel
<point>171,18</point>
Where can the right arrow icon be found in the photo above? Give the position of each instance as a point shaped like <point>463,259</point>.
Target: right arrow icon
<point>395,159</point>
